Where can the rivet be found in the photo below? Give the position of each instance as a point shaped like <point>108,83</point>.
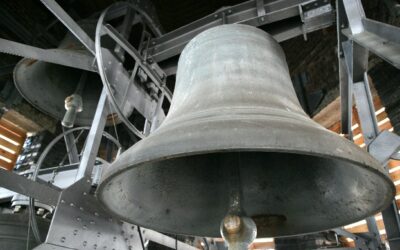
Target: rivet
<point>62,201</point>
<point>92,222</point>
<point>84,227</point>
<point>81,208</point>
<point>96,213</point>
<point>75,232</point>
<point>78,218</point>
<point>72,204</point>
<point>95,246</point>
<point>84,243</point>
<point>84,193</point>
<point>62,239</point>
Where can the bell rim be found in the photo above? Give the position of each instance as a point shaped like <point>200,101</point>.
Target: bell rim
<point>382,175</point>
<point>80,121</point>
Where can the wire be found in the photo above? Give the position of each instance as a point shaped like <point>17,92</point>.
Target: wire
<point>114,125</point>
<point>176,242</point>
<point>206,244</point>
<point>29,235</point>
<point>32,218</point>
<point>141,237</point>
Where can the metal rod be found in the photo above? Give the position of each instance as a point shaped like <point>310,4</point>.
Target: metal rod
<point>94,138</point>
<point>72,26</point>
<point>72,151</point>
<point>20,184</point>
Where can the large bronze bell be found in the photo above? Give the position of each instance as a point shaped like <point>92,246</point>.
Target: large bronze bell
<point>234,106</point>
<point>46,85</point>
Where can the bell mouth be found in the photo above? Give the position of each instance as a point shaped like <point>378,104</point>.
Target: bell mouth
<point>60,82</point>
<point>286,193</point>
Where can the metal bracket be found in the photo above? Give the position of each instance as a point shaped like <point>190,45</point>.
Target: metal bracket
<point>46,193</point>
<point>384,146</point>
<point>250,13</point>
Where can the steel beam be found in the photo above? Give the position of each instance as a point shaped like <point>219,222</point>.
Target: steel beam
<point>345,82</point>
<point>68,58</point>
<point>351,18</point>
<point>255,13</point>
<point>366,110</point>
<point>360,242</point>
<point>72,26</point>
<point>94,138</point>
<point>380,38</point>
<point>44,193</point>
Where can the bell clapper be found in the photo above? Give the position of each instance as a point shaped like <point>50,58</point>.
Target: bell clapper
<point>237,229</point>
<point>74,103</point>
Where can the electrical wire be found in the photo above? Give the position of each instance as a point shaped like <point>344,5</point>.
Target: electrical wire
<point>32,218</point>
<point>141,237</point>
<point>206,244</point>
<point>114,125</point>
<point>28,235</point>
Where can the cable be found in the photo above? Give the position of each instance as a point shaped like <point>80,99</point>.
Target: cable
<point>32,218</point>
<point>28,236</point>
<point>114,125</point>
<point>141,237</point>
<point>206,244</point>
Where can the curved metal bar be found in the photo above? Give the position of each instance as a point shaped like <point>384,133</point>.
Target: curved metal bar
<point>103,76</point>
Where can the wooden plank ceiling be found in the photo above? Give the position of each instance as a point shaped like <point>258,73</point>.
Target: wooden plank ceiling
<point>12,139</point>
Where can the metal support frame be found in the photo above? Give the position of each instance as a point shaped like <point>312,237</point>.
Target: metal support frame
<point>94,138</point>
<point>78,199</point>
<point>44,192</point>
<point>79,221</point>
<point>362,242</point>
<point>356,36</point>
<point>314,14</point>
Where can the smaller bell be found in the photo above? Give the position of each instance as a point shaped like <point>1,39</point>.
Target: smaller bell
<point>46,85</point>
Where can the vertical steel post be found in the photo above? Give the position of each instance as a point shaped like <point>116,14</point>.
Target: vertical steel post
<point>351,13</point>
<point>344,79</point>
<point>353,63</point>
<point>94,138</point>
